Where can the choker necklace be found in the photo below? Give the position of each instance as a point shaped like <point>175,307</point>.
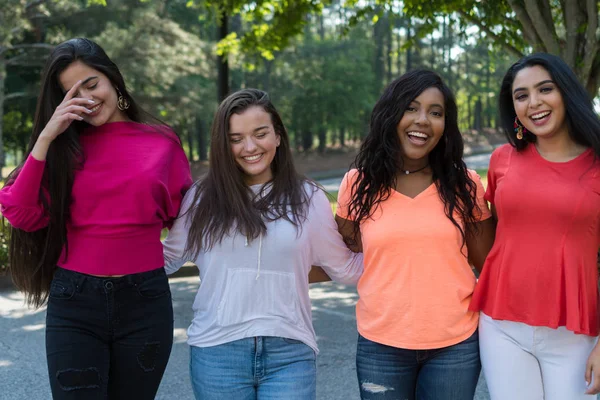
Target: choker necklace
<point>416,170</point>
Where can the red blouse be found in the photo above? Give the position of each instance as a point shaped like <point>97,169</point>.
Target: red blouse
<point>542,269</point>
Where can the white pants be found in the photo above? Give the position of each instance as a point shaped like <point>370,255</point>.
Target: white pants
<point>523,362</point>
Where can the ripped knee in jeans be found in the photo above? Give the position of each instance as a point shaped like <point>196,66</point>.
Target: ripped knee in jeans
<point>147,356</point>
<point>74,379</point>
<point>374,388</point>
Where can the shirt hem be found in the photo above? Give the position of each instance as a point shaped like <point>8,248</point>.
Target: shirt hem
<point>198,343</point>
<point>422,346</point>
<point>537,323</point>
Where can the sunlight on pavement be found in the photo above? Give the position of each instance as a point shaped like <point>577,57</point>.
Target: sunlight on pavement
<point>179,335</point>
<point>31,328</point>
<point>326,292</point>
<point>12,305</point>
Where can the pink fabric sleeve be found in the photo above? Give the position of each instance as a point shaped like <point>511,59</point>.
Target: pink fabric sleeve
<point>345,195</point>
<point>20,198</point>
<point>180,180</point>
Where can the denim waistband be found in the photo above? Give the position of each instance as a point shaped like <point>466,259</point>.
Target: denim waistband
<point>102,282</point>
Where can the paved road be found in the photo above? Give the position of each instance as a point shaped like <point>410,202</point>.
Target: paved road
<point>479,161</point>
<point>23,374</point>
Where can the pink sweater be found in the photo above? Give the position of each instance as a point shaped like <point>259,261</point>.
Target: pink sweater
<point>131,185</point>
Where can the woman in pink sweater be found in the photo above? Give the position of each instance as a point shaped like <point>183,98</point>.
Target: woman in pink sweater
<point>101,179</point>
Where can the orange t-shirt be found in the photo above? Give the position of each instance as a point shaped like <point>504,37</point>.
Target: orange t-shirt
<point>417,283</point>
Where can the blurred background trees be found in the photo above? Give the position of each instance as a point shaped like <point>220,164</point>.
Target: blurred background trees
<point>323,62</point>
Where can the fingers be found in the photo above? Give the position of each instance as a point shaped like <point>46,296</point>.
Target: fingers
<point>595,388</point>
<point>77,109</point>
<point>76,101</point>
<point>588,372</point>
<point>592,378</point>
<point>71,93</point>
<point>71,117</point>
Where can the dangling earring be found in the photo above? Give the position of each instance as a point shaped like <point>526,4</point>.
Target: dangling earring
<point>519,129</point>
<point>122,102</point>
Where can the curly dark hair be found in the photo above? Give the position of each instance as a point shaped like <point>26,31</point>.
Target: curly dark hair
<point>380,156</point>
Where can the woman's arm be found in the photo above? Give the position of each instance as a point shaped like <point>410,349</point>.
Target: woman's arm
<point>329,250</point>
<point>480,240</point>
<point>174,244</point>
<point>592,371</point>
<point>350,233</point>
<point>20,198</point>
<point>316,275</point>
<point>480,235</point>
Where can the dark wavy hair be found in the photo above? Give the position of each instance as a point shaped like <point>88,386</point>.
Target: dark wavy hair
<point>33,255</point>
<point>380,157</point>
<point>224,203</point>
<point>582,122</point>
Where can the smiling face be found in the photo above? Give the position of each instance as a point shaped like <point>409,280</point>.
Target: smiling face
<point>97,87</point>
<point>421,126</point>
<point>538,103</point>
<point>253,142</point>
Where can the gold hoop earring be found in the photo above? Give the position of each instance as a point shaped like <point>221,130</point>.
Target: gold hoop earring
<point>122,103</point>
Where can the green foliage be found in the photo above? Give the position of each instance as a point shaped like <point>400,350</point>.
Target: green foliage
<point>323,62</point>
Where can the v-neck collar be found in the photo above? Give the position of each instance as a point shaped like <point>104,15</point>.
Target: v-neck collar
<point>420,194</point>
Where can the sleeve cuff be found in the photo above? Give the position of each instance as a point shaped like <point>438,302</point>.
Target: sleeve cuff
<point>26,186</point>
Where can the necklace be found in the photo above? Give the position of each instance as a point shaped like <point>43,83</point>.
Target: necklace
<point>416,170</point>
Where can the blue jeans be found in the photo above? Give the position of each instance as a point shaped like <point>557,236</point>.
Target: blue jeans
<point>108,338</point>
<point>449,373</point>
<point>255,368</point>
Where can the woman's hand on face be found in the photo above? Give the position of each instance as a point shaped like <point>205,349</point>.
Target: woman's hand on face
<point>592,371</point>
<point>69,110</point>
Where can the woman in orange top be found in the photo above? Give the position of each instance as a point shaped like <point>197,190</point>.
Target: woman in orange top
<point>419,216</point>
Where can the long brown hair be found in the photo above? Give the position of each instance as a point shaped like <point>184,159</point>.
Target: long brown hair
<point>223,202</point>
<point>33,255</point>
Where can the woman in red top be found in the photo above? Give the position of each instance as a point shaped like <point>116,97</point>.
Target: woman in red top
<point>538,293</point>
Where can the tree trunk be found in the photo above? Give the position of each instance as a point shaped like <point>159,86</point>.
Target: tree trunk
<point>202,139</point>
<point>478,115</point>
<point>322,27</point>
<point>237,77</point>
<point>307,139</point>
<point>399,47</point>
<point>378,61</point>
<point>322,134</point>
<point>409,58</point>
<point>432,55</point>
<point>450,44</point>
<point>488,111</point>
<point>343,136</point>
<point>268,64</point>
<point>389,45</point>
<point>445,42</point>
<point>190,140</point>
<point>469,96</point>
<point>2,78</point>
<point>222,61</point>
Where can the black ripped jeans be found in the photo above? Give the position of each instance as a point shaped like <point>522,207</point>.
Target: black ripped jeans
<point>108,338</point>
